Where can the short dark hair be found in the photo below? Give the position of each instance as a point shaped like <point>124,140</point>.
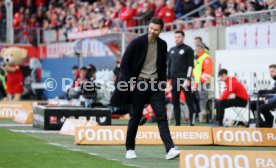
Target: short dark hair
<point>201,45</point>
<point>198,38</point>
<point>222,72</point>
<point>180,32</point>
<point>272,66</point>
<point>75,67</point>
<point>158,21</point>
<point>83,68</point>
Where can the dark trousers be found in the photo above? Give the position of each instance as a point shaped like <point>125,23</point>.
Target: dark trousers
<point>2,91</point>
<point>157,101</point>
<point>221,105</point>
<point>264,109</point>
<point>196,102</point>
<point>176,102</point>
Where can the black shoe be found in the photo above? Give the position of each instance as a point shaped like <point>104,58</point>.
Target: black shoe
<point>263,124</point>
<point>217,124</point>
<point>143,120</point>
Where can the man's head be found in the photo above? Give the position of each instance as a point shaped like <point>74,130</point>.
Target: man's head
<point>170,4</point>
<point>75,70</point>
<point>200,47</point>
<point>198,40</point>
<point>83,72</point>
<point>145,7</point>
<point>155,27</point>
<point>159,3</point>
<point>272,71</point>
<point>223,74</point>
<point>179,37</point>
<point>118,63</point>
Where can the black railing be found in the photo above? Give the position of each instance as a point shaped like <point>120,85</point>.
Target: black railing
<point>2,32</point>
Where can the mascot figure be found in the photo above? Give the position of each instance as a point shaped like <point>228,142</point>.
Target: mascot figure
<point>13,58</point>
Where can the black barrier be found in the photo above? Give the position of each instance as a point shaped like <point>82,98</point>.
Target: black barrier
<point>52,118</point>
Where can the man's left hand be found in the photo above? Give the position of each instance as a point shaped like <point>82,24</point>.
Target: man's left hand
<point>186,83</point>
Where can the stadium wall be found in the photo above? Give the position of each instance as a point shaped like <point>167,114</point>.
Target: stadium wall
<point>249,36</point>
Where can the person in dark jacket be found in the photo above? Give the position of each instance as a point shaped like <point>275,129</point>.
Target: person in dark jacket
<point>3,85</point>
<point>145,14</point>
<point>123,109</point>
<point>269,103</point>
<point>76,72</point>
<point>188,7</point>
<point>144,60</point>
<point>91,72</point>
<point>180,65</point>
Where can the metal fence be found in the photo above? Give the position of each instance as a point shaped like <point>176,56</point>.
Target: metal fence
<point>3,32</point>
<point>36,36</point>
<point>244,18</point>
<point>27,35</point>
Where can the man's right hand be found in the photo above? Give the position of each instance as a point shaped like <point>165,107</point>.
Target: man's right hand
<point>132,87</point>
<point>186,83</point>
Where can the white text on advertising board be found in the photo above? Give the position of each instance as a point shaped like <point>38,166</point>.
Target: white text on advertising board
<point>101,134</point>
<point>240,136</point>
<point>227,159</point>
<point>8,112</point>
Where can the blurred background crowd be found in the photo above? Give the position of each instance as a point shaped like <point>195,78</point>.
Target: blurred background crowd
<point>81,15</point>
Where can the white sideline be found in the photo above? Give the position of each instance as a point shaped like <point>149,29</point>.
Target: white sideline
<point>16,125</point>
<point>131,165</point>
<point>35,131</point>
<point>94,154</point>
<point>77,150</point>
<point>55,144</point>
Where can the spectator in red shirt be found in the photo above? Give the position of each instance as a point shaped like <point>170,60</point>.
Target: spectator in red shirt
<point>167,14</point>
<point>127,15</point>
<point>39,2</point>
<point>234,95</point>
<point>82,77</point>
<point>119,8</point>
<point>140,6</point>
<point>151,4</point>
<point>54,21</point>
<point>160,4</point>
<point>209,15</point>
<point>145,14</point>
<point>17,18</point>
<point>75,72</point>
<point>33,21</point>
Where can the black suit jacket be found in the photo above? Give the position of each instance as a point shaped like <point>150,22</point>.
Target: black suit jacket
<point>132,63</point>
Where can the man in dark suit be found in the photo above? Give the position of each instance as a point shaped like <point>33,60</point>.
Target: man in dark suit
<point>180,66</point>
<point>267,105</point>
<point>144,62</point>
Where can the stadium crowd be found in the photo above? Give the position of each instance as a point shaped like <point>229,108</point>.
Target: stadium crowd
<point>81,15</point>
<point>77,15</point>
